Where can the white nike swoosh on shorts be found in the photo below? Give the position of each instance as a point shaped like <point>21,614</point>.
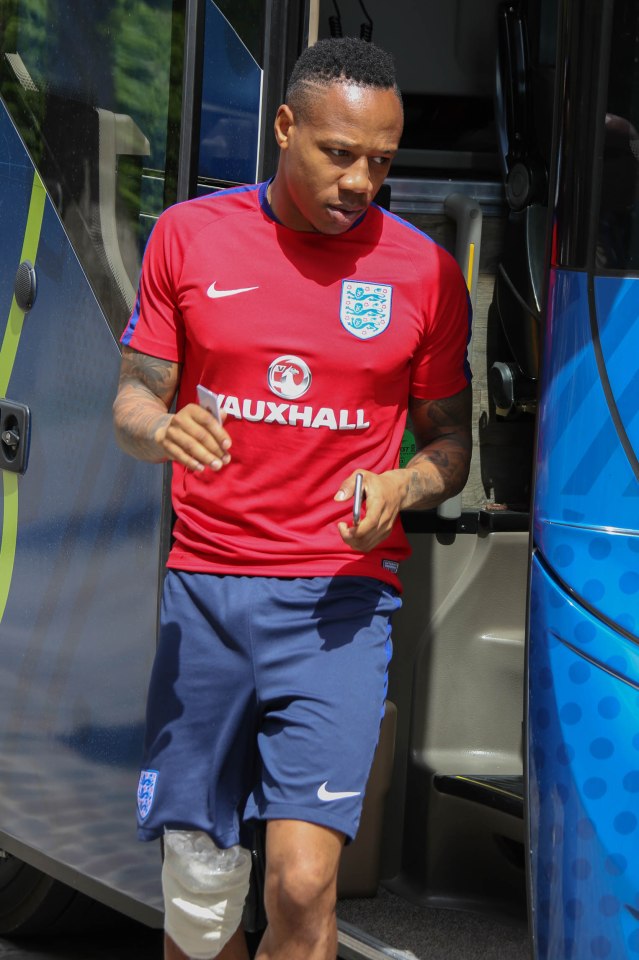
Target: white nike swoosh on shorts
<point>328,795</point>
<point>215,294</point>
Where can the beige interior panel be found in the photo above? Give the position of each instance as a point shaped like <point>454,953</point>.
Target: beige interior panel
<point>469,720</point>
<point>458,663</point>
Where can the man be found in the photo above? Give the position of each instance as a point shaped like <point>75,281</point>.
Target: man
<point>315,317</point>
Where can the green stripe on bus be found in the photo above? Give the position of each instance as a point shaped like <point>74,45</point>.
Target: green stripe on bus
<point>8,352</point>
<point>9,347</point>
<point>9,535</point>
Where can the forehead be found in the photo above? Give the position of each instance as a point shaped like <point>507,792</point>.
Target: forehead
<point>353,111</point>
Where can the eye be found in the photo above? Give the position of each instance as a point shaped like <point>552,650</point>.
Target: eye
<point>381,161</point>
<point>337,152</point>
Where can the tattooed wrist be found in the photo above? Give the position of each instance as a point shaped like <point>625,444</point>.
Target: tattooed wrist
<point>145,393</point>
<point>440,468</point>
<point>435,474</point>
<point>140,432</point>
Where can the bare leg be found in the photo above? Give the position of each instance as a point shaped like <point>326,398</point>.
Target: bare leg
<point>235,949</point>
<point>300,892</point>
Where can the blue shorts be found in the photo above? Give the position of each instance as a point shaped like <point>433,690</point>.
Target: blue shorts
<point>265,702</point>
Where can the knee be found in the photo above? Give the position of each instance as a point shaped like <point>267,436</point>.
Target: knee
<point>302,889</point>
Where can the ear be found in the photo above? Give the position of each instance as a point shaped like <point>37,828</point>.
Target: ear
<point>284,121</point>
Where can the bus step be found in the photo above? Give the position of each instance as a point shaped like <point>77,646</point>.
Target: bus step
<point>500,793</point>
<point>355,944</point>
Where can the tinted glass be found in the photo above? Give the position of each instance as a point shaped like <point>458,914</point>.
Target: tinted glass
<point>547,33</point>
<point>444,56</point>
<point>618,235</point>
<point>581,29</point>
<point>88,85</point>
<point>231,93</point>
<point>247,19</point>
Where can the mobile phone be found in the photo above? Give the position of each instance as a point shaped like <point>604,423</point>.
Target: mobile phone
<point>207,399</point>
<point>357,498</point>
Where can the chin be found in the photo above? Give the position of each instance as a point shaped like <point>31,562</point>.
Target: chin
<point>330,226</point>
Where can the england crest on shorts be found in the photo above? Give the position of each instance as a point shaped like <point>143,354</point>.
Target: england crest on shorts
<point>365,308</point>
<point>146,792</point>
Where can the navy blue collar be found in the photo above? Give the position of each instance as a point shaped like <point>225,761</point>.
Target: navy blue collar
<point>268,209</point>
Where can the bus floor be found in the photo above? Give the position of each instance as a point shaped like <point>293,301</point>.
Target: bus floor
<point>428,933</point>
<point>412,932</point>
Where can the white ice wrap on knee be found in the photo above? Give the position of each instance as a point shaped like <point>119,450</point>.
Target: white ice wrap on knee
<point>204,892</point>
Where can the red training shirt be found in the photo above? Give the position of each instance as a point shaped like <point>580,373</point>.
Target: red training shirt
<point>313,344</point>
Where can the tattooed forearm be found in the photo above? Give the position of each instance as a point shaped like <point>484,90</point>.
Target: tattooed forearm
<point>436,473</point>
<point>145,393</point>
<point>440,468</point>
<point>160,377</point>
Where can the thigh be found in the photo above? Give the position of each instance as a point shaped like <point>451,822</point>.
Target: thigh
<point>322,679</point>
<point>201,726</point>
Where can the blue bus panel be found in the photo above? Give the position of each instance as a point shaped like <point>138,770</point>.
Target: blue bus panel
<point>77,635</point>
<point>583,780</point>
<point>583,736</point>
<point>586,519</point>
<point>616,301</point>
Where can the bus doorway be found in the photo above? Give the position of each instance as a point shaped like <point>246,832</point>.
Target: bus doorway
<point>110,112</point>
<point>103,139</point>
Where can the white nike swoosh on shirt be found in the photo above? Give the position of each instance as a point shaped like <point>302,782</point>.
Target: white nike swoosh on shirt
<point>214,294</point>
<point>328,795</point>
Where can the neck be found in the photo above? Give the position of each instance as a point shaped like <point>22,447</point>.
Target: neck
<point>285,212</point>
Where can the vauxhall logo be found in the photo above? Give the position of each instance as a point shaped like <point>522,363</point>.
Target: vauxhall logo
<point>289,377</point>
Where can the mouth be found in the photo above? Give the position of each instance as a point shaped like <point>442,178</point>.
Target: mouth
<point>343,214</point>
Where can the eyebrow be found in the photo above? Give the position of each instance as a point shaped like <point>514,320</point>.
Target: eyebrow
<point>349,144</point>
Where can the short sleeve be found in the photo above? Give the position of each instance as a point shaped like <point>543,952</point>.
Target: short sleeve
<point>155,326</point>
<point>440,365</point>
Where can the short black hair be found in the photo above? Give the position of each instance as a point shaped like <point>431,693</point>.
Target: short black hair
<point>340,60</point>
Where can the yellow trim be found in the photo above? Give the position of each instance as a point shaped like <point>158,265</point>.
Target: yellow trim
<point>471,263</point>
<point>489,786</point>
<point>8,353</point>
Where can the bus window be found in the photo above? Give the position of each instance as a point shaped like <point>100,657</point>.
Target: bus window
<point>87,85</point>
<point>445,60</point>
<point>618,231</point>
<point>247,20</point>
<point>547,33</point>
<point>231,92</point>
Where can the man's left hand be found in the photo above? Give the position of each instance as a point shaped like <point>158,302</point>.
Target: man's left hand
<point>383,497</point>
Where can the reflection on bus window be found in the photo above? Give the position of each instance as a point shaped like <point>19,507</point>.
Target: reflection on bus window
<point>247,20</point>
<point>618,236</point>
<point>445,60</point>
<point>231,90</point>
<point>547,32</point>
<point>87,84</point>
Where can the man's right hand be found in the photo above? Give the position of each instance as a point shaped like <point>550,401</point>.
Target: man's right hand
<point>145,428</point>
<point>194,438</point>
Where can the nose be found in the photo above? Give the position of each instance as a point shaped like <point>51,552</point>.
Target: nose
<point>356,178</point>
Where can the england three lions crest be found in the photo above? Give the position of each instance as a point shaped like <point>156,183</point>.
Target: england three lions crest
<point>365,308</point>
<point>146,792</point>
